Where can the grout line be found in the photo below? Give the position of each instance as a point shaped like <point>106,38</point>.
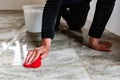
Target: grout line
<point>13,40</point>
<point>87,71</point>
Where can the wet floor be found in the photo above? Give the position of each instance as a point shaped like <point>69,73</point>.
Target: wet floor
<point>69,57</point>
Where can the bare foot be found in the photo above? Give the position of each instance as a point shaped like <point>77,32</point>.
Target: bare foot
<point>101,46</point>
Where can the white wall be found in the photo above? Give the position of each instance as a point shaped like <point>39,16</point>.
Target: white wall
<point>92,10</point>
<point>17,4</point>
<point>114,22</point>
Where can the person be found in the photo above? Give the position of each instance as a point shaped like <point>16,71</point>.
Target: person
<point>75,13</point>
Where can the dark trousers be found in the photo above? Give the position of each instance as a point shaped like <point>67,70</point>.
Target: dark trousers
<point>104,9</point>
<point>75,16</point>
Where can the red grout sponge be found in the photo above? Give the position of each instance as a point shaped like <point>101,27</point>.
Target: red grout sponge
<point>36,64</point>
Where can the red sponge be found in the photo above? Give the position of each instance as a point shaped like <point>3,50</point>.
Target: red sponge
<point>36,64</point>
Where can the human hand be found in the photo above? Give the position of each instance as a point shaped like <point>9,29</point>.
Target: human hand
<point>34,57</point>
<point>98,45</point>
<point>102,46</point>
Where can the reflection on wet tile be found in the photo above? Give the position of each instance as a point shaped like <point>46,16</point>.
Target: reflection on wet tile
<point>67,60</point>
<point>61,64</point>
<point>11,23</point>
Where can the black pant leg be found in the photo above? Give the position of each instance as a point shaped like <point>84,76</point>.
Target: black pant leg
<point>76,15</point>
<point>103,12</point>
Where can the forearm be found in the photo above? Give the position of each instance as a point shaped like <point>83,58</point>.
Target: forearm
<point>50,14</point>
<point>46,42</point>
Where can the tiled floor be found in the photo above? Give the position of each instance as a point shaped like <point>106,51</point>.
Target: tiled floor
<point>68,59</point>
